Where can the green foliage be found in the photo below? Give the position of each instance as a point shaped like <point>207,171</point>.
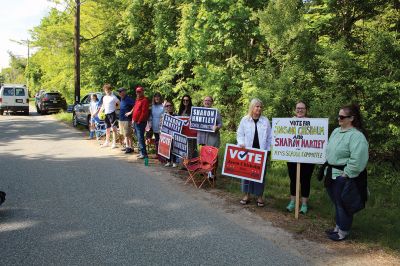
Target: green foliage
<point>326,52</point>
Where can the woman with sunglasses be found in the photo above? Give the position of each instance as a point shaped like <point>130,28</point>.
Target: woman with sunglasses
<point>347,156</point>
<point>185,109</point>
<point>306,170</point>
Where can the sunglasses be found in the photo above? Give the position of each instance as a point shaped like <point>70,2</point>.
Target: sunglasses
<point>168,105</point>
<point>341,117</point>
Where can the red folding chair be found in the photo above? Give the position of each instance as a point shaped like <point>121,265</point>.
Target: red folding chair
<point>199,167</point>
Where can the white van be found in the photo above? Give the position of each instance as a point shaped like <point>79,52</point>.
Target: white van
<point>15,98</point>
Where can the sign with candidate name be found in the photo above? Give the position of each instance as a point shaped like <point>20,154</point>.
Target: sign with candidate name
<point>248,164</point>
<point>190,133</point>
<point>164,145</point>
<point>180,145</point>
<point>203,119</point>
<point>171,124</point>
<point>300,140</point>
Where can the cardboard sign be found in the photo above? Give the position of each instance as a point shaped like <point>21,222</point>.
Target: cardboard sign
<point>243,163</point>
<point>164,145</point>
<point>190,133</point>
<point>300,140</point>
<point>180,145</point>
<point>171,124</point>
<point>203,119</point>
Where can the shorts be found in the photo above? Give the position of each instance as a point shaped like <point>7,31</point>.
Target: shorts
<point>125,128</point>
<point>110,120</point>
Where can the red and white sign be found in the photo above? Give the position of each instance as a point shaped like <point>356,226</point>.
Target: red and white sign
<point>189,133</point>
<point>164,145</point>
<point>243,163</point>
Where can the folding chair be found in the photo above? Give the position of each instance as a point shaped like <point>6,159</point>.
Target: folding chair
<point>199,167</point>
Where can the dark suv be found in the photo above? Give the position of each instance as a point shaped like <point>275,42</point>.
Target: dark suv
<point>50,102</point>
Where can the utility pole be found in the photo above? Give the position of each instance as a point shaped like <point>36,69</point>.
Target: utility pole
<point>77,78</point>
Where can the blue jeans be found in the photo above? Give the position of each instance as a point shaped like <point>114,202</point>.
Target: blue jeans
<point>343,220</point>
<point>140,130</point>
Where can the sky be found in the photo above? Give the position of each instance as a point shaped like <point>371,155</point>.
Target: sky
<point>17,17</point>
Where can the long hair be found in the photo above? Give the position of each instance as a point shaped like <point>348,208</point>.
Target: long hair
<point>182,106</point>
<point>157,94</point>
<point>253,103</point>
<point>354,111</point>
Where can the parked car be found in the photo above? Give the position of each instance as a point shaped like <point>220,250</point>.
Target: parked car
<point>81,112</point>
<point>14,98</point>
<point>50,102</point>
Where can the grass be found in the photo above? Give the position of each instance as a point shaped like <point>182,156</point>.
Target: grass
<point>376,226</point>
<point>64,117</point>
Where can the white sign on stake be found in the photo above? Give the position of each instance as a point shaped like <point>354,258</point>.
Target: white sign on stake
<point>300,140</point>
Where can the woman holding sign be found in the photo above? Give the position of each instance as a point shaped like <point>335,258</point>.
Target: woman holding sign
<point>169,109</point>
<point>347,157</point>
<point>206,138</point>
<point>306,170</point>
<point>185,109</point>
<point>210,138</point>
<point>254,132</point>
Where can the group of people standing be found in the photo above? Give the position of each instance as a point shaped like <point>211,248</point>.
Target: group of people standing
<point>347,149</point>
<point>347,157</point>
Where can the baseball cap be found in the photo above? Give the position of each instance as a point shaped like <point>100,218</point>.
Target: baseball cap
<point>139,89</point>
<point>121,89</point>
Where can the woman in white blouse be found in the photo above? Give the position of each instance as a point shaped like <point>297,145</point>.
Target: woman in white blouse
<point>254,132</point>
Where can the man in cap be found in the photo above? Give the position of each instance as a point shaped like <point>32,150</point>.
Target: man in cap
<point>140,115</point>
<point>125,124</point>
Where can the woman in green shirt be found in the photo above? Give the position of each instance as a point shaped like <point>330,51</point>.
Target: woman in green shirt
<point>347,154</point>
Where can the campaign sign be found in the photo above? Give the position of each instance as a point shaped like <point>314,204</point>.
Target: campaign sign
<point>203,119</point>
<point>164,145</point>
<point>299,140</point>
<point>190,133</point>
<point>248,164</point>
<point>180,145</point>
<point>171,124</point>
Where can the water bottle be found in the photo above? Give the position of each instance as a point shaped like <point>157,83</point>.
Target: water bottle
<point>146,161</point>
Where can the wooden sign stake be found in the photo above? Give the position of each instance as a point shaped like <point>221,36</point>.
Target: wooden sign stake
<point>296,213</point>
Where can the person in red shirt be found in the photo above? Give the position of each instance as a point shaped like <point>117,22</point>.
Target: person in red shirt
<point>139,118</point>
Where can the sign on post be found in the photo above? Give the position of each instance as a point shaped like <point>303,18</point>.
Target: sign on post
<point>190,133</point>
<point>301,140</point>
<point>180,145</point>
<point>203,119</point>
<point>244,163</point>
<point>171,124</point>
<point>164,145</point>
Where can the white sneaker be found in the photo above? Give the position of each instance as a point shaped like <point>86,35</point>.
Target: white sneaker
<point>113,146</point>
<point>140,156</point>
<point>105,144</point>
<point>167,164</point>
<point>174,165</point>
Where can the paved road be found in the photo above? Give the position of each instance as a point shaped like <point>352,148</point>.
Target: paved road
<point>70,202</point>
